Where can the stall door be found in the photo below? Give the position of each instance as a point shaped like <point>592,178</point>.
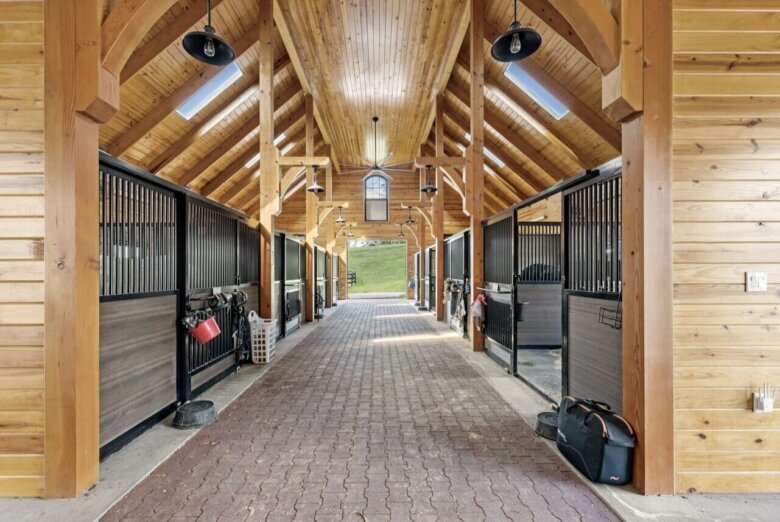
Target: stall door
<point>417,277</point>
<point>592,349</point>
<point>431,279</point>
<point>498,266</point>
<point>539,284</point>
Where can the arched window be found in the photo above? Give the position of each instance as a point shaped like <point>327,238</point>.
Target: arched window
<point>375,193</point>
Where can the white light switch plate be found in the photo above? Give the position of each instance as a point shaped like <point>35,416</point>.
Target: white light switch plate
<point>756,282</point>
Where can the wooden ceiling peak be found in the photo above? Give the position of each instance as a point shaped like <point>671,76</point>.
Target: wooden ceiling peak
<point>366,59</point>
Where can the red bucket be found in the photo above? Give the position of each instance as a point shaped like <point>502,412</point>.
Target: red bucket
<point>206,330</point>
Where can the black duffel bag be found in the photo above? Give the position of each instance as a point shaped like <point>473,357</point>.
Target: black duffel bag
<point>597,441</point>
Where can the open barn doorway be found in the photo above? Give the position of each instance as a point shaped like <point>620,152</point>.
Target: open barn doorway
<point>377,269</point>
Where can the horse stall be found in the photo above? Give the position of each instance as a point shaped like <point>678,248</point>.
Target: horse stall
<point>592,347</point>
<point>558,334</point>
<point>430,278</point>
<point>417,278</point>
<point>294,283</point>
<point>319,282</point>
<point>334,278</point>
<point>164,253</point>
<point>456,281</point>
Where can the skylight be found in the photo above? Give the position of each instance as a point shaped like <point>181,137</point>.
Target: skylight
<point>251,163</point>
<point>489,153</point>
<point>206,94</point>
<point>496,159</point>
<point>536,91</point>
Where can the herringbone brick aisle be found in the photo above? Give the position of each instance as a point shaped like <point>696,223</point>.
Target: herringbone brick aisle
<point>370,418</point>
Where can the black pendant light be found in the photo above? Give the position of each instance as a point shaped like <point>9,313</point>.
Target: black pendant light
<point>315,187</point>
<point>516,43</point>
<point>401,233</point>
<point>428,188</point>
<point>410,220</point>
<point>206,46</point>
<point>340,220</point>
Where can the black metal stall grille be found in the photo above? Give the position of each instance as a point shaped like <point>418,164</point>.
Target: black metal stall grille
<point>539,252</point>
<point>593,237</point>
<point>498,321</point>
<point>137,236</point>
<point>211,247</point>
<point>455,258</point>
<point>279,267</point>
<point>248,253</point>
<point>447,249</point>
<point>292,260</point>
<point>498,252</point>
<point>201,356</point>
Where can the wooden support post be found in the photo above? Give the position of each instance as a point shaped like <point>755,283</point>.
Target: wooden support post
<point>269,159</point>
<point>475,160</point>
<point>622,88</point>
<point>330,237</point>
<point>311,215</point>
<point>438,210</point>
<point>648,401</point>
<point>71,249</point>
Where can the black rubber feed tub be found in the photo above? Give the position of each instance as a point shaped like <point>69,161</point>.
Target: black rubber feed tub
<point>194,414</point>
<point>547,424</point>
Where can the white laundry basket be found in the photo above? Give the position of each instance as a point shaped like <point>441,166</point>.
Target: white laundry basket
<point>263,338</point>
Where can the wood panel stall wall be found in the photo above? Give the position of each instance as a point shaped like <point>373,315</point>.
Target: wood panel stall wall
<point>21,248</point>
<point>726,219</point>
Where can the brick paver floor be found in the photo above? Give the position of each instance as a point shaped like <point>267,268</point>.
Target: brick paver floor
<point>370,418</point>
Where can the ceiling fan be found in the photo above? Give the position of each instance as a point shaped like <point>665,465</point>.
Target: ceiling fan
<point>377,165</point>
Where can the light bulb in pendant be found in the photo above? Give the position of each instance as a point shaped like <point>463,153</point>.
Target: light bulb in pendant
<point>516,46</point>
<point>208,48</point>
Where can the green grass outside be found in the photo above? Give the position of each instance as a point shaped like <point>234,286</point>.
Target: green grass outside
<point>380,268</point>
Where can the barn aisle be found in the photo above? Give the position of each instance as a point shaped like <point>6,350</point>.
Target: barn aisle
<point>372,417</point>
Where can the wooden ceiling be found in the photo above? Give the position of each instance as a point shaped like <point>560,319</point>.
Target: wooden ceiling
<point>359,59</point>
<point>368,58</point>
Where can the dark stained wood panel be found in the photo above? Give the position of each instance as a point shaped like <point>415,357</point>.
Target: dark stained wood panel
<point>137,362</point>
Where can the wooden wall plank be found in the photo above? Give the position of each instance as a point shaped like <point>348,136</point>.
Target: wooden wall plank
<point>21,248</point>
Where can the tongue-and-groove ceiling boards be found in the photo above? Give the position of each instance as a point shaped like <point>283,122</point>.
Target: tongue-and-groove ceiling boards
<point>360,59</point>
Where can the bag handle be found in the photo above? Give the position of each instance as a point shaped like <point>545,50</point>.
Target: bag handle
<point>592,404</point>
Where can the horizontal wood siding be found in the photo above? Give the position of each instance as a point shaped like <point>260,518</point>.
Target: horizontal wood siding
<point>726,222</point>
<point>21,248</point>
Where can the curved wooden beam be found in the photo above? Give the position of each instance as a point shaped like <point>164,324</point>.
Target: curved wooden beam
<point>124,28</point>
<point>596,27</point>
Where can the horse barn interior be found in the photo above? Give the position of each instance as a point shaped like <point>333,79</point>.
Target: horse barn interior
<point>607,190</point>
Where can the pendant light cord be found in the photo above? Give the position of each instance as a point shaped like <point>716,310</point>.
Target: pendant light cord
<point>515,10</point>
<point>208,4</point>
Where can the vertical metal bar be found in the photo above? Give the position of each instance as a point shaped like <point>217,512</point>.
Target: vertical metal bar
<point>182,339</point>
<point>114,236</point>
<point>514,241</point>
<point>103,221</point>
